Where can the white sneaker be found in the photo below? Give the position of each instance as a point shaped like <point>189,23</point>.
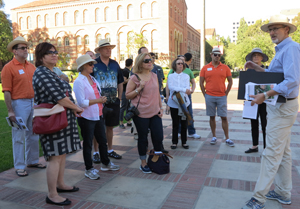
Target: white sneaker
<point>229,143</point>
<point>213,141</point>
<point>110,167</point>
<point>195,136</point>
<point>92,174</point>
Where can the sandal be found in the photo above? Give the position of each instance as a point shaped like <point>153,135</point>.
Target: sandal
<point>38,165</point>
<point>174,146</point>
<point>21,173</point>
<point>185,146</point>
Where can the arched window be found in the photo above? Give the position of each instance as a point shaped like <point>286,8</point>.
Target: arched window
<point>47,20</point>
<point>21,23</point>
<point>66,18</point>
<point>59,42</point>
<point>39,21</point>
<point>85,16</point>
<point>97,15</point>
<point>144,10</point>
<point>154,41</point>
<point>76,17</point>
<point>29,25</point>
<point>41,41</point>
<point>57,19</point>
<point>130,36</point>
<point>107,14</point>
<point>154,9</point>
<point>107,36</point>
<point>78,40</point>
<point>86,40</point>
<point>48,40</point>
<point>129,12</point>
<point>120,13</point>
<point>98,38</point>
<point>67,41</point>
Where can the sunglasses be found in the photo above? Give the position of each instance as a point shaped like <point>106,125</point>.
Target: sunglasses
<point>147,60</point>
<point>23,47</point>
<point>217,55</point>
<point>179,63</point>
<point>52,52</point>
<point>90,64</point>
<point>274,29</point>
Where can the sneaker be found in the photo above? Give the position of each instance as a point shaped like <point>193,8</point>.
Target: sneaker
<point>92,174</point>
<point>213,141</point>
<point>96,158</point>
<point>254,204</point>
<point>229,143</point>
<point>136,136</point>
<point>272,195</point>
<point>145,169</point>
<point>114,155</point>
<point>195,136</point>
<point>122,126</point>
<point>110,167</point>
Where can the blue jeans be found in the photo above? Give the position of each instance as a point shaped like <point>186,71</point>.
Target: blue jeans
<point>191,128</point>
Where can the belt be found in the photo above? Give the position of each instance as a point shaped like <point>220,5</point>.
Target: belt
<point>288,99</point>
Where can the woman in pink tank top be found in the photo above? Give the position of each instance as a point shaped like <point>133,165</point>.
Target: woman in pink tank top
<point>143,88</point>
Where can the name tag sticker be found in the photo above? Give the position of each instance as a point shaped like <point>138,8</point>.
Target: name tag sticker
<point>21,72</point>
<point>209,69</point>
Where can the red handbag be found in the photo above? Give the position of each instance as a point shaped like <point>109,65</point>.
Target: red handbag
<point>51,123</point>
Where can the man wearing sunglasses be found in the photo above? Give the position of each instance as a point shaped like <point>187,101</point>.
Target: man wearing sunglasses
<point>18,94</point>
<point>215,92</point>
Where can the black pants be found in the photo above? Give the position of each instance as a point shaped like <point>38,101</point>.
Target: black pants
<point>176,119</point>
<point>262,112</point>
<point>89,129</point>
<point>142,127</point>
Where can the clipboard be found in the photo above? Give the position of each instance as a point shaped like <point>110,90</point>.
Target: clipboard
<point>259,77</point>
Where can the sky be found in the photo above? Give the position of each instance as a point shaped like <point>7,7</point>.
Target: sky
<point>220,14</point>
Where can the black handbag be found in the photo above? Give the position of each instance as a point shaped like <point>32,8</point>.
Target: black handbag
<point>159,163</point>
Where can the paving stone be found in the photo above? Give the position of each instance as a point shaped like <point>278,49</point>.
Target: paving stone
<point>239,119</point>
<point>295,153</point>
<point>241,135</point>
<point>78,156</point>
<point>240,126</point>
<point>235,170</point>
<point>193,144</point>
<point>239,149</point>
<point>11,205</point>
<point>37,181</point>
<point>202,124</point>
<point>133,192</point>
<point>203,134</point>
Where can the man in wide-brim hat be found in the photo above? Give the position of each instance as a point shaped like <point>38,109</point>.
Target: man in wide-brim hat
<point>276,158</point>
<point>18,92</point>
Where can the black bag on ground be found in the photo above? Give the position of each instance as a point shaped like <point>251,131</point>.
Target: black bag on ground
<point>159,163</point>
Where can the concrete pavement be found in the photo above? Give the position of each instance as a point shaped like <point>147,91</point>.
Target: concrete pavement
<point>202,177</point>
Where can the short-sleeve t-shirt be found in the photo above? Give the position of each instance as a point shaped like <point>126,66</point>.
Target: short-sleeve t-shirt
<point>126,73</point>
<point>215,79</point>
<point>187,71</point>
<point>108,78</point>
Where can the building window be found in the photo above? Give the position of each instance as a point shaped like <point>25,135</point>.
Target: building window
<point>67,41</point>
<point>120,13</point>
<point>39,21</point>
<point>233,27</point>
<point>76,17</point>
<point>154,9</point>
<point>21,23</point>
<point>97,15</point>
<point>234,23</point>
<point>237,28</point>
<point>237,23</point>
<point>107,14</point>
<point>233,31</point>
<point>122,57</point>
<point>98,38</point>
<point>48,40</point>
<point>59,42</point>
<point>85,16</point>
<point>57,19</point>
<point>252,22</point>
<point>107,36</point>
<point>78,40</point>
<point>41,41</point>
<point>66,18</point>
<point>143,10</point>
<point>233,36</point>
<point>29,23</point>
<point>129,12</point>
<point>86,40</point>
<point>47,21</point>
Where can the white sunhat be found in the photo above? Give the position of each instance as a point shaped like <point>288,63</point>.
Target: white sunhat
<point>216,50</point>
<point>278,19</point>
<point>18,40</point>
<point>104,43</point>
<point>83,59</point>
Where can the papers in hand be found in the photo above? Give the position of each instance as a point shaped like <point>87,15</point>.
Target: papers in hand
<point>19,124</point>
<point>250,112</point>
<point>255,88</point>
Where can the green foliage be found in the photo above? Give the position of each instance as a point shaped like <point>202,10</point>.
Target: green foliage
<point>296,35</point>
<point>135,41</point>
<point>63,60</point>
<point>6,36</point>
<point>241,31</point>
<point>216,41</point>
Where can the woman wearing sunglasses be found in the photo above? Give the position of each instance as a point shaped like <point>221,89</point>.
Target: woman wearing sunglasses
<point>49,88</point>
<point>91,122</point>
<point>178,82</point>
<point>143,88</point>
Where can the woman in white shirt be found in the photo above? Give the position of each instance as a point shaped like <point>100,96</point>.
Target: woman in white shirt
<point>91,122</point>
<point>178,82</point>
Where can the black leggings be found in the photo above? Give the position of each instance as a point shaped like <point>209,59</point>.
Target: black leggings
<point>175,125</point>
<point>262,112</point>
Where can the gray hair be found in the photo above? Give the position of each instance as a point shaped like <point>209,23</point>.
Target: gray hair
<point>81,68</point>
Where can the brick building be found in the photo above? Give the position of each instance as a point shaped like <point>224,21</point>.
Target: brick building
<point>75,26</point>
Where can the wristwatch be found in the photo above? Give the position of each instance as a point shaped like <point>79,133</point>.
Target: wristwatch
<point>136,91</point>
<point>266,96</point>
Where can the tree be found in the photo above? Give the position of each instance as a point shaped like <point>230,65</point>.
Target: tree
<point>296,35</point>
<point>241,31</point>
<point>134,42</point>
<point>63,60</point>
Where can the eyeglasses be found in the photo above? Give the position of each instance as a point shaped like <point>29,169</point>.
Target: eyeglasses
<point>217,55</point>
<point>179,63</point>
<point>90,64</point>
<point>274,29</point>
<point>23,47</point>
<point>147,60</point>
<point>53,53</point>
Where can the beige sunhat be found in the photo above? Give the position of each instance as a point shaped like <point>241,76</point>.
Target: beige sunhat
<point>257,50</point>
<point>216,50</point>
<point>18,40</point>
<point>83,59</point>
<point>278,19</point>
<point>104,43</point>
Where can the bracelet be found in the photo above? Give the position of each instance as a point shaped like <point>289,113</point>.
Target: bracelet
<point>136,91</point>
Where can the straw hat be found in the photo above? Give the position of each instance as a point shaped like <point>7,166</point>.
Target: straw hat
<point>104,43</point>
<point>257,50</point>
<point>216,50</point>
<point>279,19</point>
<point>18,40</point>
<point>83,59</point>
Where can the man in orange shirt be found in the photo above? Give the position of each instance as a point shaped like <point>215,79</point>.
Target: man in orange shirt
<point>214,75</point>
<point>18,94</point>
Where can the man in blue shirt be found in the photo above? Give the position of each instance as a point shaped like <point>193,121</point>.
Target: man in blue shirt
<point>276,162</point>
<point>110,77</point>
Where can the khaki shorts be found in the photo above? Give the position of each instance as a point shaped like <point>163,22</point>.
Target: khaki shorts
<point>216,105</point>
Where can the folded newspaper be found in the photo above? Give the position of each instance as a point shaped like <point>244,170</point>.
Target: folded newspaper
<point>19,124</point>
<point>255,88</point>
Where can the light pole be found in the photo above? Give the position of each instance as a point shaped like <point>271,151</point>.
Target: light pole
<point>202,38</point>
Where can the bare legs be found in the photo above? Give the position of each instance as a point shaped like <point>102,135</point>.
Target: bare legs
<point>212,123</point>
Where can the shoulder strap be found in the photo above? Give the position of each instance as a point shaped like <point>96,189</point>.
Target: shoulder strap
<point>137,76</point>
